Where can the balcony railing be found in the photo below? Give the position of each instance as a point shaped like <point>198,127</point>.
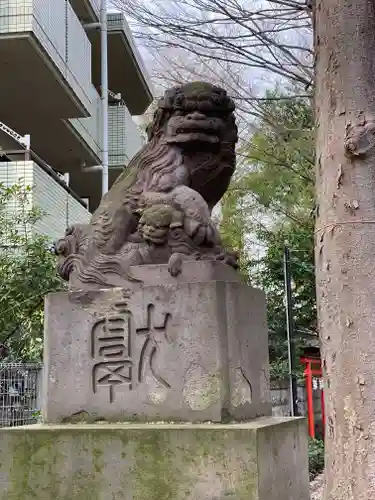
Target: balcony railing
<point>90,129</point>
<point>61,206</point>
<point>125,139</point>
<point>78,55</point>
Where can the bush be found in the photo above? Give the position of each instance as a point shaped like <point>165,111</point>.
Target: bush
<point>316,457</point>
<point>27,274</point>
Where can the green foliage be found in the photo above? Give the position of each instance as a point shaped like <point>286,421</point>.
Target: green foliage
<point>281,159</point>
<point>279,369</point>
<point>270,204</point>
<point>316,457</point>
<point>27,273</point>
<point>233,230</point>
<point>268,273</point>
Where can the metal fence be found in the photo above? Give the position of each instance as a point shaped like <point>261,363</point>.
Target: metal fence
<point>19,393</point>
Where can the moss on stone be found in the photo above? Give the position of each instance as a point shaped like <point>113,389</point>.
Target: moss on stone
<point>97,455</point>
<point>132,462</point>
<point>32,454</point>
<point>37,465</point>
<point>155,474</point>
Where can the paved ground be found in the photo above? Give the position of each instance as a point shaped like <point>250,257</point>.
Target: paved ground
<point>316,488</point>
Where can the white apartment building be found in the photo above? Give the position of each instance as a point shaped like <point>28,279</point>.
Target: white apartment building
<point>50,84</point>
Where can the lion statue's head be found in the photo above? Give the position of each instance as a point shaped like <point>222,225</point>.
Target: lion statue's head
<point>194,115</point>
<point>193,125</point>
<point>197,119</point>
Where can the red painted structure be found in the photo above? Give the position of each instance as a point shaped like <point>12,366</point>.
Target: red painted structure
<point>313,373</point>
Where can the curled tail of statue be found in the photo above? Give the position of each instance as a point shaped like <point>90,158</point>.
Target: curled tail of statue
<point>91,253</point>
<point>71,248</point>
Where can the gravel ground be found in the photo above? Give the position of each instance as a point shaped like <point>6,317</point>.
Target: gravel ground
<point>316,488</point>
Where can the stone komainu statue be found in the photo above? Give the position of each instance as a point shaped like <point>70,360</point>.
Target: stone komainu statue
<point>159,209</point>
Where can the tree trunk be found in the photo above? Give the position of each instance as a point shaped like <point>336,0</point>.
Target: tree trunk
<point>345,240</point>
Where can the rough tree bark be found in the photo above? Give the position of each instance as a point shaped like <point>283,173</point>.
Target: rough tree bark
<point>345,240</point>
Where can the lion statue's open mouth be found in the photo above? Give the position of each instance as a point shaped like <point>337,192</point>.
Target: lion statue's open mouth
<point>186,136</point>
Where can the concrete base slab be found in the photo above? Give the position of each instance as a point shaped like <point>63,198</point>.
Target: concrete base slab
<point>262,460</point>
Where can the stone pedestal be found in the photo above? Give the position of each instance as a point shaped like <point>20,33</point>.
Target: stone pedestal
<point>181,351</point>
<point>262,460</point>
<point>191,349</point>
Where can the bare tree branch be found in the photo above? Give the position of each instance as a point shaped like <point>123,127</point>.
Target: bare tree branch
<point>274,37</point>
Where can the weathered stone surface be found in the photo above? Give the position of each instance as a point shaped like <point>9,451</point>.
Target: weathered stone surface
<point>159,209</point>
<point>263,460</point>
<point>146,275</point>
<point>185,351</point>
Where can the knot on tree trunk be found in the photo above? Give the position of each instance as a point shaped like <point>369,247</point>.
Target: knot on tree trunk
<point>360,138</point>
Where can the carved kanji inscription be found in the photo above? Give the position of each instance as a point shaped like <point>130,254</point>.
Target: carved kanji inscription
<point>152,332</point>
<point>122,351</point>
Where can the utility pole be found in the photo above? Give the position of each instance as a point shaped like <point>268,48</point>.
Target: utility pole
<point>104,91</point>
<point>103,26</point>
<point>290,334</point>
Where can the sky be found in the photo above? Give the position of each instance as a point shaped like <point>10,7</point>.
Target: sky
<point>111,8</point>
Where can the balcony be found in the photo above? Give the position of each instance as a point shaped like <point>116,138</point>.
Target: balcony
<point>124,142</point>
<point>62,208</point>
<point>40,59</point>
<point>80,138</point>
<point>126,72</point>
<point>87,11</point>
<point>46,77</point>
<point>89,132</point>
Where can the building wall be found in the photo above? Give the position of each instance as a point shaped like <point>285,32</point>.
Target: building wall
<point>124,139</point>
<point>19,173</point>
<point>280,397</point>
<point>60,208</point>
